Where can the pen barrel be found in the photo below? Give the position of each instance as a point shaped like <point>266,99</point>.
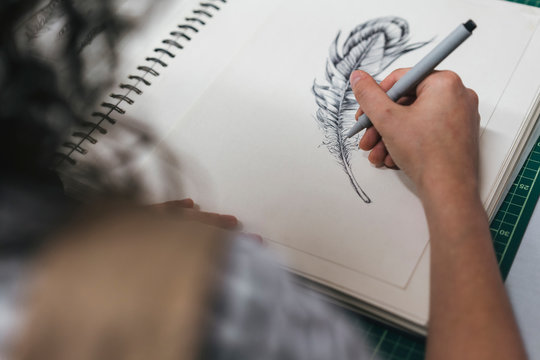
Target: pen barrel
<point>362,123</point>
<point>421,70</point>
<point>428,63</point>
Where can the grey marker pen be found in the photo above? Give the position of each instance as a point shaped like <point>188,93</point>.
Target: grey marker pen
<point>421,70</point>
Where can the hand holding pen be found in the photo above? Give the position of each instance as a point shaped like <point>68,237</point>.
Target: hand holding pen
<point>434,140</point>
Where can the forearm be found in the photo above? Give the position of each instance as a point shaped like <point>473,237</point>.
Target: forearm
<point>470,315</point>
<point>435,142</point>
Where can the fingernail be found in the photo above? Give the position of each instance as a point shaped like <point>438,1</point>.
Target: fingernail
<point>257,238</point>
<point>356,76</point>
<point>252,237</point>
<point>229,220</point>
<point>188,202</point>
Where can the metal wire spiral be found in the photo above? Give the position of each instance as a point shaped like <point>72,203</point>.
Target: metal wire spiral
<point>117,102</point>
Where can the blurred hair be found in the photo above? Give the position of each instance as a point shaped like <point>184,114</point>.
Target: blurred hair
<point>44,96</point>
<point>37,110</point>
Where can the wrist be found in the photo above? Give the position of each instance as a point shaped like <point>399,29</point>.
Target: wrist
<point>440,193</point>
<point>449,191</point>
<point>454,208</point>
<point>441,185</point>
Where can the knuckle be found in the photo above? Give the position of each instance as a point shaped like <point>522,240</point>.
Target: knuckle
<point>388,111</point>
<point>447,80</point>
<point>450,75</point>
<point>473,96</point>
<point>450,78</point>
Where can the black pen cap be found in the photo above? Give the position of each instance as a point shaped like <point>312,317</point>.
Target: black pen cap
<point>470,25</point>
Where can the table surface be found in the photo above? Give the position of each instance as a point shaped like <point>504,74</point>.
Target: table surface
<point>523,285</point>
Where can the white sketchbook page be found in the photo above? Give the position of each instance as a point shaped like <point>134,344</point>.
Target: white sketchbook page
<point>251,146</point>
<point>216,142</point>
<point>513,106</point>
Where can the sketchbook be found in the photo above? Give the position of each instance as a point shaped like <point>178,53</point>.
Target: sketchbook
<point>249,100</point>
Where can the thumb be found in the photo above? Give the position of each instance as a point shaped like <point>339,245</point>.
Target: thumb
<point>373,100</point>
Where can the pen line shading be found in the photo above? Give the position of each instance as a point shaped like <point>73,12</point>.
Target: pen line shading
<point>371,46</point>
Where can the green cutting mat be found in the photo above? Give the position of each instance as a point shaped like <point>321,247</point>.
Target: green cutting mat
<point>510,223</point>
<point>507,229</point>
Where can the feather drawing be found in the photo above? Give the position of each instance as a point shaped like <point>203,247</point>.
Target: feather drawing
<point>372,47</point>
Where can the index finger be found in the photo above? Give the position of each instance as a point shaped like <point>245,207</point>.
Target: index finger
<point>391,79</point>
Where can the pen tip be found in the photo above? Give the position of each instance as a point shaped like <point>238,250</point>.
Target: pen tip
<point>470,25</point>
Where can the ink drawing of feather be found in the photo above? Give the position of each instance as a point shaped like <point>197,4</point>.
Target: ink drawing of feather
<point>372,47</point>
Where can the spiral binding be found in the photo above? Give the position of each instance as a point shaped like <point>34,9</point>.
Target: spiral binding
<point>165,52</point>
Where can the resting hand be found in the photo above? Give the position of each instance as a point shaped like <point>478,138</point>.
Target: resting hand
<point>186,209</point>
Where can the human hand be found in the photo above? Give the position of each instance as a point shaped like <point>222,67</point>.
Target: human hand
<point>187,210</point>
<point>432,134</point>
